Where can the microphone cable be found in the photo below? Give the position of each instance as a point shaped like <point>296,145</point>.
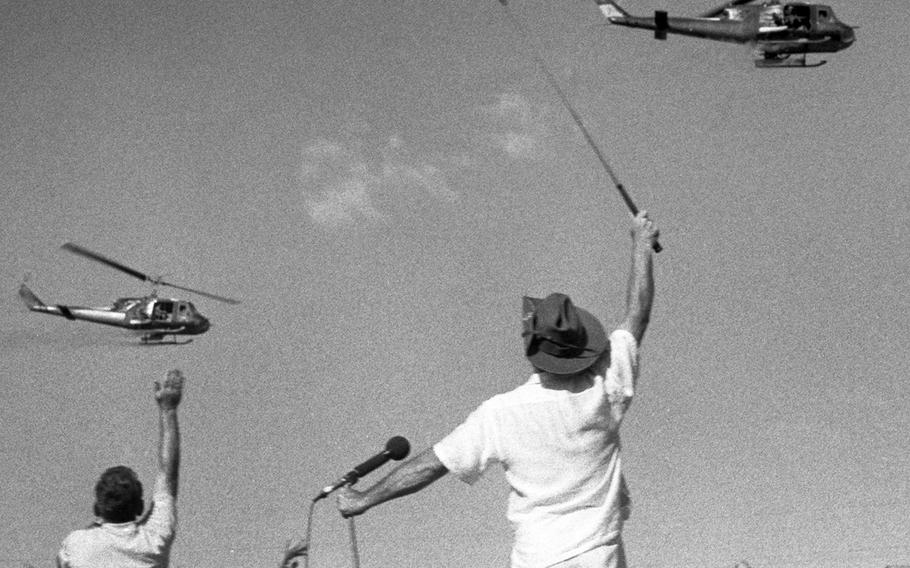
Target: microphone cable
<point>352,532</point>
<point>354,553</point>
<point>397,448</point>
<point>309,531</point>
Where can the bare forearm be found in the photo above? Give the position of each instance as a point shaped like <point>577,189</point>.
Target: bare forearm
<point>169,448</point>
<point>640,292</point>
<point>407,478</point>
<point>410,477</point>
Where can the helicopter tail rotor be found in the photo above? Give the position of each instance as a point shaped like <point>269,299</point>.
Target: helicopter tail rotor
<point>31,300</point>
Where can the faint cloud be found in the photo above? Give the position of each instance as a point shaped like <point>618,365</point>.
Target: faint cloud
<point>518,126</point>
<point>343,204</point>
<point>343,186</point>
<point>353,181</point>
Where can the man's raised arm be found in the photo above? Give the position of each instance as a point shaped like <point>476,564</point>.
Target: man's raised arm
<point>640,292</point>
<point>168,395</point>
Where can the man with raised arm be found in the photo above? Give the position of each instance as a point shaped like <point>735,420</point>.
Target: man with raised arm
<point>122,536</point>
<point>556,436</point>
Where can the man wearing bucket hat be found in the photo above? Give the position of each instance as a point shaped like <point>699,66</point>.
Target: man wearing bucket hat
<point>556,436</point>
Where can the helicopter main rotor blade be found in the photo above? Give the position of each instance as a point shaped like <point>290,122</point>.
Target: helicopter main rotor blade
<point>201,293</point>
<point>719,10</point>
<point>76,249</point>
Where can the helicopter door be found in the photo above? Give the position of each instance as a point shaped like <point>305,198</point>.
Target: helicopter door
<point>771,18</point>
<point>163,311</point>
<point>797,16</point>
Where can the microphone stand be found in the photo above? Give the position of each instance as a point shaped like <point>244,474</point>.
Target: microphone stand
<point>309,531</point>
<point>351,531</point>
<point>354,551</point>
<point>396,449</point>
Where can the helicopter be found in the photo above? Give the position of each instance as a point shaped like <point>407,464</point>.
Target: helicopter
<point>152,317</point>
<point>777,30</point>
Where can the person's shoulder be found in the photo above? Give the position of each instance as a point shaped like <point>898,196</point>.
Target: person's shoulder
<point>92,527</point>
<point>79,536</point>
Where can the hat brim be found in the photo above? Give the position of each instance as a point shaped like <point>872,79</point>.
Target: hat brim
<point>595,347</point>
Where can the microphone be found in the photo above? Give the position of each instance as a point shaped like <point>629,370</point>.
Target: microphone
<point>397,448</point>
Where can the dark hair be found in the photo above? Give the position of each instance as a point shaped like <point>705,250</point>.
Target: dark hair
<point>118,495</point>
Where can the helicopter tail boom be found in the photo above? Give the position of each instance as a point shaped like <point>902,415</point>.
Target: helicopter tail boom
<point>35,304</point>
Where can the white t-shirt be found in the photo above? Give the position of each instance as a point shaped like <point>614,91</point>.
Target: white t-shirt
<point>560,452</point>
<point>145,543</point>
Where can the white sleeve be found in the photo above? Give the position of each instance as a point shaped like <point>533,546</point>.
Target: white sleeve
<point>469,449</point>
<point>162,519</point>
<point>622,374</point>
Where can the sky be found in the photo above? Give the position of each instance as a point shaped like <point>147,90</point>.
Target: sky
<point>380,184</point>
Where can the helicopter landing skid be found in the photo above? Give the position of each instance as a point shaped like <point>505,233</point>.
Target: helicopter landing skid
<point>773,63</point>
<point>161,341</point>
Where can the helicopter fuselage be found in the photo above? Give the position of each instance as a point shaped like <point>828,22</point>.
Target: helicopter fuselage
<point>151,316</point>
<point>775,29</point>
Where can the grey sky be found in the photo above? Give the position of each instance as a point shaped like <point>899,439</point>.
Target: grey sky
<point>380,183</point>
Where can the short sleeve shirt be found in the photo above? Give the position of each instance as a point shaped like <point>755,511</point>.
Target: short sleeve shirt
<point>138,544</point>
<point>561,455</point>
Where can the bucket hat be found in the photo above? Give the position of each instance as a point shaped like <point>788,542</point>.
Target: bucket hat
<point>560,337</point>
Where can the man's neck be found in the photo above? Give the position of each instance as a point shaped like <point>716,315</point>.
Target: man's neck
<point>575,383</point>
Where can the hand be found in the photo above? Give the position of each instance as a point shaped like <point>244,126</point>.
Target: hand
<point>643,229</point>
<point>168,395</point>
<point>350,502</point>
<point>292,551</point>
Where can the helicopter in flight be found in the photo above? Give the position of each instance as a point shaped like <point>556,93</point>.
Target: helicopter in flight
<point>778,30</point>
<point>152,317</point>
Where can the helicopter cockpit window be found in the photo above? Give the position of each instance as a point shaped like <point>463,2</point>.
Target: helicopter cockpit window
<point>772,16</point>
<point>163,311</point>
<point>797,16</point>
<point>184,310</point>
